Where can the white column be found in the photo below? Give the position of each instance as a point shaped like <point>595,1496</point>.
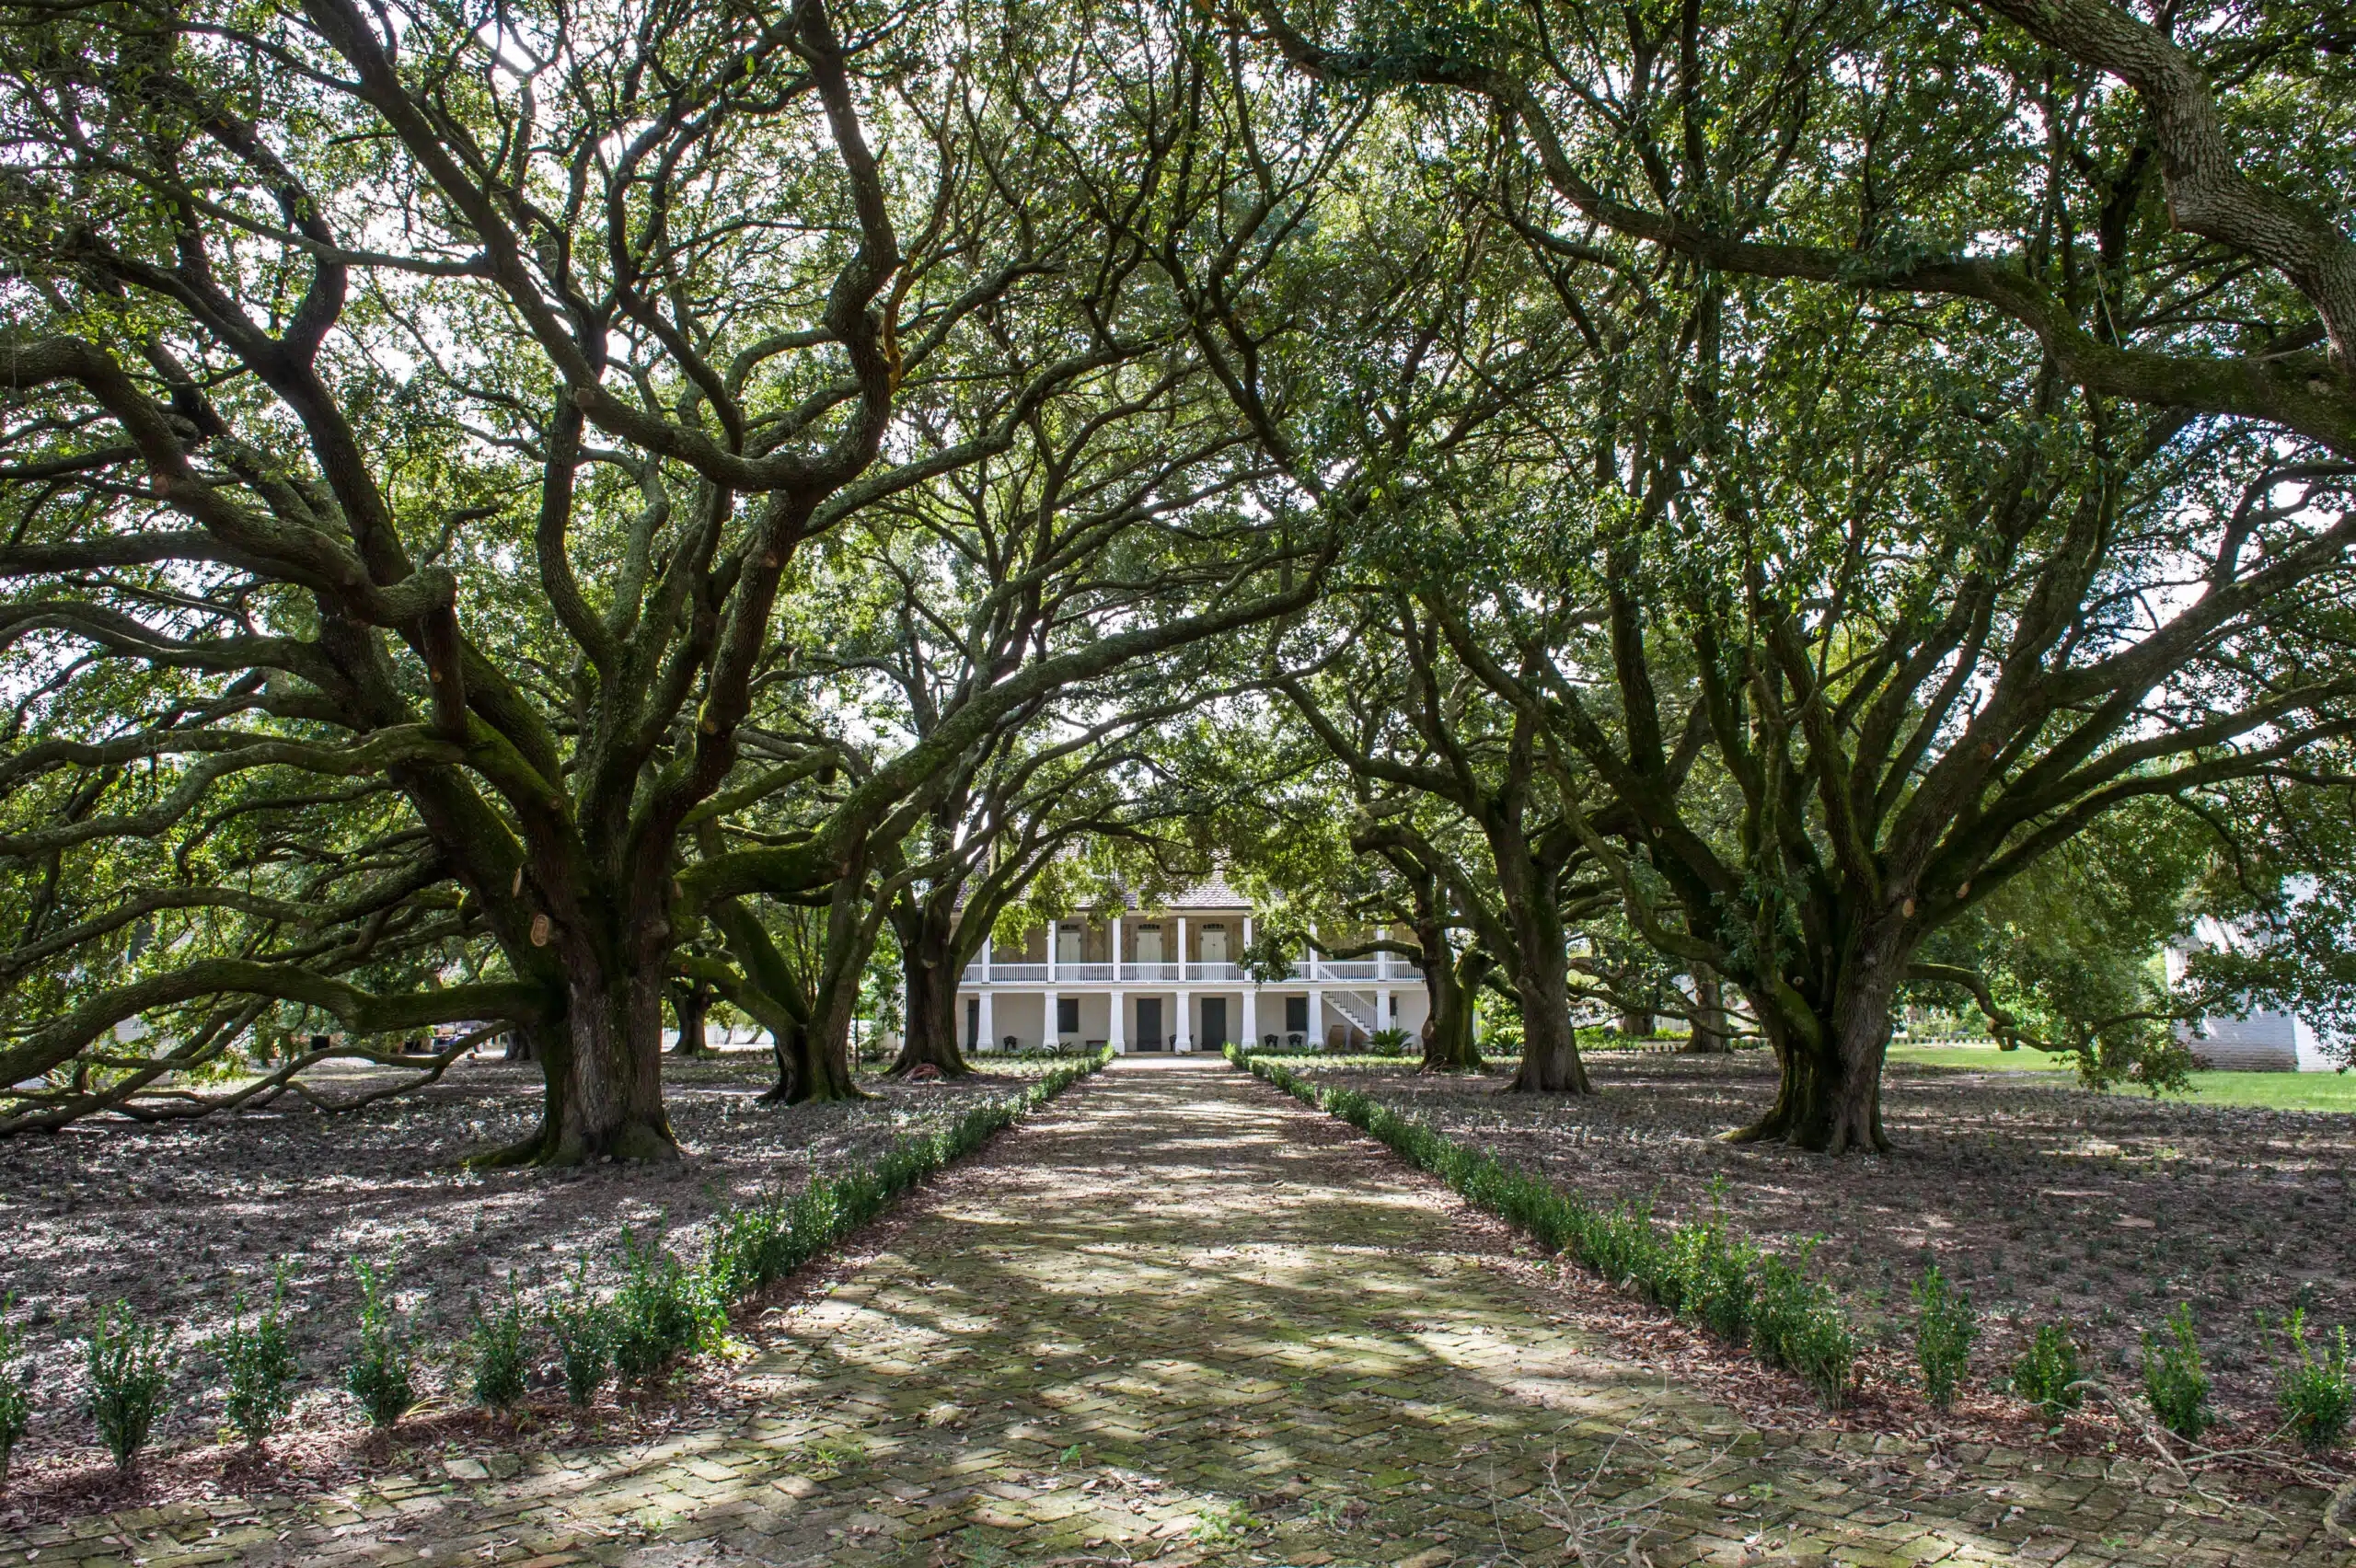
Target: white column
<point>1309,955</point>
<point>1182,1033</point>
<point>1251,1014</point>
<point>1386,1012</point>
<point>986,963</point>
<point>1117,1036</point>
<point>989,1029</point>
<point>1382,958</point>
<point>1316,1019</point>
<point>1185,1032</point>
<point>1048,1032</point>
<point>1055,929</point>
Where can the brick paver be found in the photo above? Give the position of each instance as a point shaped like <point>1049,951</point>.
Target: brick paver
<point>1177,1318</point>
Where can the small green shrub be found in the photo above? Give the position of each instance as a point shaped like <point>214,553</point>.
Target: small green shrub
<point>259,1364</point>
<point>1797,1325</point>
<point>381,1374</point>
<point>497,1346</point>
<point>129,1366</point>
<point>582,1330</point>
<point>15,1397</point>
<point>2316,1394</point>
<point>2174,1380</point>
<point>1945,1327</point>
<point>1391,1042</point>
<point>1710,1274</point>
<point>2047,1374</point>
<point>659,1313</point>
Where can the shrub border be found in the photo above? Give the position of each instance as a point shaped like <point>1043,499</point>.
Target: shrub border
<point>756,1245</point>
<point>1737,1291</point>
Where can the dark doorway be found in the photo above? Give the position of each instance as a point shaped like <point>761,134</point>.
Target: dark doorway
<point>1150,1024</point>
<point>973,1023</point>
<point>1213,1023</point>
<point>1066,1015</point>
<point>1296,1016</point>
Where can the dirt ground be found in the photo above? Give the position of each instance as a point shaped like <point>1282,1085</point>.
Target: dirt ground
<point>177,1219</point>
<point>2046,1201</point>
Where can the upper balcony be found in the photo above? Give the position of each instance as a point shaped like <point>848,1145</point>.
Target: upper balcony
<point>1322,971</point>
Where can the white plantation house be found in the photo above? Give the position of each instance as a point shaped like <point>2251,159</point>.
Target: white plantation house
<point>1172,979</point>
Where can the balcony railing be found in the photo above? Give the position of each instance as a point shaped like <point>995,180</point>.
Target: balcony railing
<point>1324,972</point>
<point>1348,969</point>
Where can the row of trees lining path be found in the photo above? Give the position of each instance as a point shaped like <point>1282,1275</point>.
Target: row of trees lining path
<point>511,518</point>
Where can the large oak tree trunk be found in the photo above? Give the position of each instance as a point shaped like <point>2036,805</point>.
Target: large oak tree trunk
<point>808,1068</point>
<point>1712,1035</point>
<point>1542,979</point>
<point>928,962</point>
<point>814,1058</point>
<point>613,1095</point>
<point>1550,1051</point>
<point>690,1002</point>
<point>1450,1044</point>
<point>1828,1098</point>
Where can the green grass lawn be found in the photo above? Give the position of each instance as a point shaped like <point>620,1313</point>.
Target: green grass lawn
<point>2278,1091</point>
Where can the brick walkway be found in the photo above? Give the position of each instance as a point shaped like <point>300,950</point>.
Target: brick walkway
<point>1179,1319</point>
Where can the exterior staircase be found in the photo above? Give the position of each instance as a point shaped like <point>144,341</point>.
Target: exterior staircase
<point>1356,1007</point>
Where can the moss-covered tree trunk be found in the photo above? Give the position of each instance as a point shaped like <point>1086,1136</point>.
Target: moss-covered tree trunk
<point>690,1002</point>
<point>1541,973</point>
<point>930,965</point>
<point>1828,1095</point>
<point>1451,981</point>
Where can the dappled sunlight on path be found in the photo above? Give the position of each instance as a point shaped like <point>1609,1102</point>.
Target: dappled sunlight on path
<point>1176,1318</point>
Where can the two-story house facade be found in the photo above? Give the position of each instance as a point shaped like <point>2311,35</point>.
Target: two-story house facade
<point>1173,979</point>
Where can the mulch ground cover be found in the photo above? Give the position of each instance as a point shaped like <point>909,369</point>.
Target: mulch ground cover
<point>2046,1201</point>
<point>179,1219</point>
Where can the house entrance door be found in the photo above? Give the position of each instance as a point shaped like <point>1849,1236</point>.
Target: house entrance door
<point>1214,1033</point>
<point>1149,1035</point>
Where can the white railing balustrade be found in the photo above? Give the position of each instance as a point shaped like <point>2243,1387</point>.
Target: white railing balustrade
<point>1346,969</point>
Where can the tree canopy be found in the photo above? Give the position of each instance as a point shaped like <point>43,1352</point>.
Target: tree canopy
<point>513,511</point>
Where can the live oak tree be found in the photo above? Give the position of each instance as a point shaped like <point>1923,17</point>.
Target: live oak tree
<point>1307,840</point>
<point>1923,650</point>
<point>430,408</point>
<point>1929,629</point>
<point>997,622</point>
<point>1403,715</point>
